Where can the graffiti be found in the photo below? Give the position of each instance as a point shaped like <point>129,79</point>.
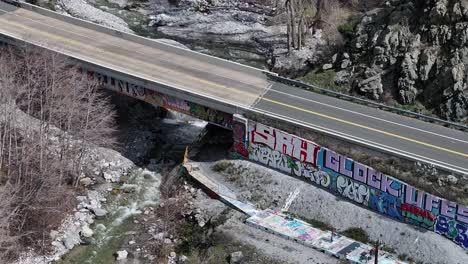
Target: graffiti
<point>297,148</point>
<point>269,157</point>
<point>360,172</point>
<point>163,100</point>
<point>239,147</point>
<point>453,230</point>
<point>313,174</point>
<point>277,160</point>
<point>385,204</point>
<point>352,180</point>
<point>353,190</point>
<point>239,131</point>
<point>417,216</point>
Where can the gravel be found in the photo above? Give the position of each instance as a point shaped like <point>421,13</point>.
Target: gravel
<point>267,188</point>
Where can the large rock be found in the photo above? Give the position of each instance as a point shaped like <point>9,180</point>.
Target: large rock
<point>121,255</point>
<point>99,212</point>
<point>236,257</point>
<point>418,51</point>
<point>86,231</point>
<point>81,9</point>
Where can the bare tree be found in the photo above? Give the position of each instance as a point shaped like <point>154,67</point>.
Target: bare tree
<point>51,115</point>
<point>306,16</point>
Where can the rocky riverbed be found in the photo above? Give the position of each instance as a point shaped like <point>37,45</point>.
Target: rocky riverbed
<point>249,32</point>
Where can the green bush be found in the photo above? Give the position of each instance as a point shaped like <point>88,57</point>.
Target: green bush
<point>221,165</point>
<point>347,29</point>
<point>323,79</point>
<point>356,233</point>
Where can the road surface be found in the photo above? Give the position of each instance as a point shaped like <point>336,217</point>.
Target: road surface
<point>386,131</point>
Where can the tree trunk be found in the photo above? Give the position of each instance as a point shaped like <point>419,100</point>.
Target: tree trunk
<point>288,25</point>
<point>320,7</point>
<point>292,8</point>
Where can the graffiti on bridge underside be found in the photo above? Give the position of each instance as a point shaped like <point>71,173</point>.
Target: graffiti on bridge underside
<point>166,101</point>
<point>351,179</point>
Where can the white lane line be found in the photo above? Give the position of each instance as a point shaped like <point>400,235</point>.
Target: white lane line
<point>106,43</point>
<point>344,136</point>
<point>265,90</point>
<point>368,116</point>
<point>371,144</point>
<point>131,34</point>
<point>126,72</point>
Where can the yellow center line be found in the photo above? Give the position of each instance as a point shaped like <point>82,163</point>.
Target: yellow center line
<point>248,94</point>
<point>365,127</point>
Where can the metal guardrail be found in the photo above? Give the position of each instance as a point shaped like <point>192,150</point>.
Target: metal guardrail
<point>154,43</point>
<point>355,99</point>
<point>273,76</point>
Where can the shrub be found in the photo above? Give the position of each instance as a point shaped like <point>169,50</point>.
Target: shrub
<point>222,165</point>
<point>356,233</point>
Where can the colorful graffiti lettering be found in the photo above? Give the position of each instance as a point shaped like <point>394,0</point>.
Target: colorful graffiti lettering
<point>453,230</point>
<point>417,216</point>
<point>269,157</point>
<point>281,162</point>
<point>302,150</point>
<point>385,204</point>
<point>341,165</point>
<point>166,101</point>
<point>352,180</point>
<point>353,190</point>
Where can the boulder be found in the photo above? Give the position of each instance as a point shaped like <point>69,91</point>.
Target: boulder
<point>99,212</point>
<point>86,181</point>
<point>236,257</point>
<point>68,243</point>
<point>86,231</point>
<point>121,255</point>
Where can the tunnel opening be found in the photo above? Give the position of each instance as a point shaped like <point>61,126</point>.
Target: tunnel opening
<point>149,134</point>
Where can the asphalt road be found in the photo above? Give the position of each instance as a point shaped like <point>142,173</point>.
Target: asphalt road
<point>389,132</point>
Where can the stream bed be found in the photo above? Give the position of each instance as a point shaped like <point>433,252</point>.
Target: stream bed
<point>125,204</point>
<point>133,201</point>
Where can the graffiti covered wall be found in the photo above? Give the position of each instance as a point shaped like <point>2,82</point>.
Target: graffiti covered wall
<point>350,179</point>
<point>166,101</point>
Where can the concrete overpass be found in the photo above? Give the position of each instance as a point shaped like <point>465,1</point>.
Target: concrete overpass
<point>131,63</point>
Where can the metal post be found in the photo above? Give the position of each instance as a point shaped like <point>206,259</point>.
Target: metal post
<point>376,252</point>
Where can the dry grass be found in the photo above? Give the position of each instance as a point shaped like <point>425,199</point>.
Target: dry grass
<point>50,117</point>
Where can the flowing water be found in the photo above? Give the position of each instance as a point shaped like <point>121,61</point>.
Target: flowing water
<point>125,202</point>
<point>129,201</point>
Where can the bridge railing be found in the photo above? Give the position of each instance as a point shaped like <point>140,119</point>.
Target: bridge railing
<point>234,65</point>
<point>144,41</point>
<point>363,101</point>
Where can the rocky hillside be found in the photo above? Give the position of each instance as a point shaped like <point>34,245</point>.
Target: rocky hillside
<point>410,52</point>
<point>246,30</point>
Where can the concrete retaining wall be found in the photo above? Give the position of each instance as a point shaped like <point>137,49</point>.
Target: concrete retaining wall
<point>349,179</point>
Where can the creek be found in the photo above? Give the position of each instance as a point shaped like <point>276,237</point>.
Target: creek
<point>132,200</point>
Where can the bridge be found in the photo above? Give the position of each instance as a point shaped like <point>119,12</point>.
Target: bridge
<point>231,87</point>
<point>226,93</point>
